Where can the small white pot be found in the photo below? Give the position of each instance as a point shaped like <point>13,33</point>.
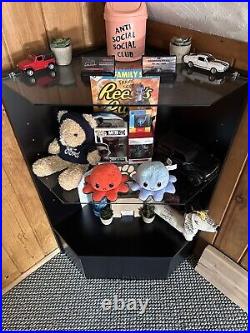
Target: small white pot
<point>63,55</point>
<point>106,222</point>
<point>179,51</point>
<point>147,219</point>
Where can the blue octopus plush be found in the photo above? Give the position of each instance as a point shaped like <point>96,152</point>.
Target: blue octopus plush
<point>153,179</point>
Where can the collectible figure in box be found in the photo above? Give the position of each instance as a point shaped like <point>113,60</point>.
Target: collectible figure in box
<point>127,87</point>
<point>140,121</point>
<point>141,137</point>
<point>111,137</point>
<point>140,148</point>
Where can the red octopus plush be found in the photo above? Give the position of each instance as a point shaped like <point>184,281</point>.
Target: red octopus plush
<point>105,180</point>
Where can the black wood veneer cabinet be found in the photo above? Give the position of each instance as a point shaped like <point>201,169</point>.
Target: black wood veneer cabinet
<point>202,110</point>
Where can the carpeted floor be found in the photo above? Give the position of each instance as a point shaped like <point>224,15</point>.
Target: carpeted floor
<point>58,297</point>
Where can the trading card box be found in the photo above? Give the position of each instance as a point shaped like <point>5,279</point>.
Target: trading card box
<point>111,137</point>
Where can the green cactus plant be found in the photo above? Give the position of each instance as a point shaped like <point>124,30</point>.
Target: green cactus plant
<point>60,42</point>
<point>106,213</point>
<point>147,210</point>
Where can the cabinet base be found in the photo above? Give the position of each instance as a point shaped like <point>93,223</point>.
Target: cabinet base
<point>141,268</point>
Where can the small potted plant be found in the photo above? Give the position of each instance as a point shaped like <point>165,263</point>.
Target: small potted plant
<point>106,215</point>
<point>147,213</point>
<point>62,49</point>
<point>180,46</point>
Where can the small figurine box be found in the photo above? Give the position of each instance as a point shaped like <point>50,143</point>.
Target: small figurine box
<point>140,121</point>
<point>127,87</point>
<point>140,148</point>
<point>111,137</point>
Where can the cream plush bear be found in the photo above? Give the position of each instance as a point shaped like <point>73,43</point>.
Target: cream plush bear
<point>72,152</point>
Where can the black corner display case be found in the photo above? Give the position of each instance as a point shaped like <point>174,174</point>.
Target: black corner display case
<point>201,110</point>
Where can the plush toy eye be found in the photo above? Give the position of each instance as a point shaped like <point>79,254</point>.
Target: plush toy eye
<point>97,185</point>
<point>75,134</point>
<point>159,184</point>
<point>111,185</point>
<point>145,184</point>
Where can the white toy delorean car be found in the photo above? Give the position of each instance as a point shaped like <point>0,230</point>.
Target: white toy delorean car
<point>206,61</point>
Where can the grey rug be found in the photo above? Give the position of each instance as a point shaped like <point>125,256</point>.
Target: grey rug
<point>58,297</point>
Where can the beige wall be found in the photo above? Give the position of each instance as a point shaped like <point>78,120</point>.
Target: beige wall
<point>227,19</point>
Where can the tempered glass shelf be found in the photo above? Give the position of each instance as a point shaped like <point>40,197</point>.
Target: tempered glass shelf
<point>66,87</point>
<point>185,192</point>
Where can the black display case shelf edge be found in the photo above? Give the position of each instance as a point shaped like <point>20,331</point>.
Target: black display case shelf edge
<point>179,199</point>
<point>68,88</point>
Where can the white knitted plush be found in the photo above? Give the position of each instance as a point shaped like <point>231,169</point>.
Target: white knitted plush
<point>195,221</point>
<point>189,224</point>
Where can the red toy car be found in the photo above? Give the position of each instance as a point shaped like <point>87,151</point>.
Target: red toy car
<point>37,62</point>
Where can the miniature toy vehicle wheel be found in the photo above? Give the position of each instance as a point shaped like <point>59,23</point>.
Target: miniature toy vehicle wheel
<point>190,71</point>
<point>51,66</point>
<point>213,70</point>
<point>211,77</point>
<point>190,64</point>
<point>29,71</point>
<point>52,74</point>
<point>32,80</point>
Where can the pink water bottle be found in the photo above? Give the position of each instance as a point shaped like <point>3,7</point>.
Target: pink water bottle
<point>125,29</point>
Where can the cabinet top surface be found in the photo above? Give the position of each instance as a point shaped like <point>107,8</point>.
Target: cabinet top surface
<point>65,86</point>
